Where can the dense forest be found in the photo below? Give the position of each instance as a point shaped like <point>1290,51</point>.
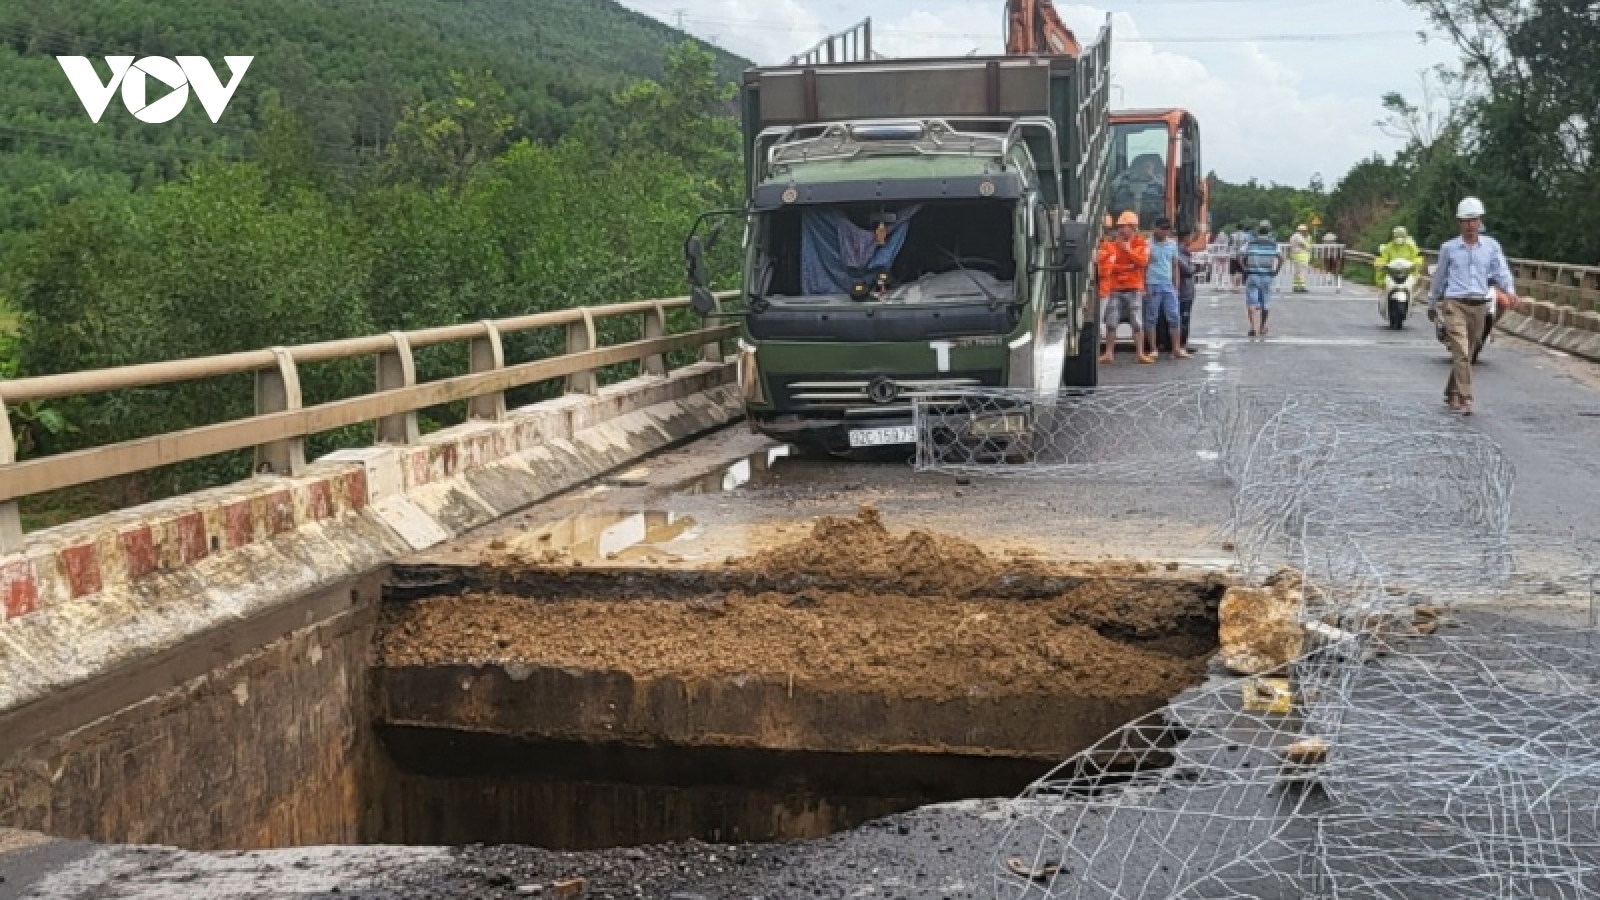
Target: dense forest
<point>384,165</point>
<point>346,70</point>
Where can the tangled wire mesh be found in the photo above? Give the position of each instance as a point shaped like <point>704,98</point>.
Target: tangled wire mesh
<point>1399,754</point>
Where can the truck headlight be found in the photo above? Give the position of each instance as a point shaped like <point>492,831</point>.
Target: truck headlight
<point>998,424</point>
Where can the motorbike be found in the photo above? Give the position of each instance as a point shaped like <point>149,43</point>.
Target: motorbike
<point>1399,286</point>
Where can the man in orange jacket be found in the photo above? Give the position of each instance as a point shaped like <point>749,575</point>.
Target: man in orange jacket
<point>1121,266</point>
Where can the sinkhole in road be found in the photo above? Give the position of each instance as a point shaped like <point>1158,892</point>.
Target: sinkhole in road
<point>799,692</point>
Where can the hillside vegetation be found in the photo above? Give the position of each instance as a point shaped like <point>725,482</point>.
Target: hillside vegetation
<point>345,68</point>
<point>384,165</point>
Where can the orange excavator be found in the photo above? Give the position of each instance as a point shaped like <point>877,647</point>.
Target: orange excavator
<point>1033,26</point>
<point>1155,153</point>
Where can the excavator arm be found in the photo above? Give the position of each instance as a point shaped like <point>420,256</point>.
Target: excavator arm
<point>1033,26</point>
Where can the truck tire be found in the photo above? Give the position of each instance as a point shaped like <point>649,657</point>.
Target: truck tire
<point>1082,369</point>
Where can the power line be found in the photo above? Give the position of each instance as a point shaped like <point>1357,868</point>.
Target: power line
<point>1308,37</point>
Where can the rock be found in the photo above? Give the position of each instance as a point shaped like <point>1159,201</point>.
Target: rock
<point>530,890</point>
<point>1259,628</point>
<point>567,888</point>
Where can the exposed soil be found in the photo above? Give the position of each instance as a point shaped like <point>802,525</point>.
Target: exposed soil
<point>922,562</point>
<point>934,635</point>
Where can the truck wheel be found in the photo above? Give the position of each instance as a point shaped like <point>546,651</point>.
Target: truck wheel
<point>1082,369</point>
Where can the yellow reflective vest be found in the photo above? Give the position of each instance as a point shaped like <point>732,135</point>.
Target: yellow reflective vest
<point>1403,249</point>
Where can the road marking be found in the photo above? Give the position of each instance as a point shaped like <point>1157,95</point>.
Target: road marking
<point>1334,342</point>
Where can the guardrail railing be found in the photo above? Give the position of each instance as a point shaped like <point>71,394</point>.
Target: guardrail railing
<point>278,430</point>
<point>1561,283</point>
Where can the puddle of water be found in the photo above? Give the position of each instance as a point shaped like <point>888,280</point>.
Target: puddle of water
<point>754,470</point>
<point>609,536</point>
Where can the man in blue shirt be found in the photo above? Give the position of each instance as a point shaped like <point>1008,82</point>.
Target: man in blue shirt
<point>1459,296</point>
<point>1161,289</point>
<point>1261,260</point>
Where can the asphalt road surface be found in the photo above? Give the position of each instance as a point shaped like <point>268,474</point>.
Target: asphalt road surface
<point>1541,406</point>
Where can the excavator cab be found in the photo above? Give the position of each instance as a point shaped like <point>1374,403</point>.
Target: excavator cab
<point>1155,170</point>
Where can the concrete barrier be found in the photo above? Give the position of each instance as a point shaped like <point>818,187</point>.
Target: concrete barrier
<point>1568,330</point>
<point>83,599</point>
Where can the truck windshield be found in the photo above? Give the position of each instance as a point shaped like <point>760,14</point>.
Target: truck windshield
<point>936,251</point>
<point>1139,170</point>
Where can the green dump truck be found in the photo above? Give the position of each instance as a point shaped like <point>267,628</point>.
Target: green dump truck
<point>914,228</point>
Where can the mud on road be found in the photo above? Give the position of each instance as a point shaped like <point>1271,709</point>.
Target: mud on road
<point>913,615</point>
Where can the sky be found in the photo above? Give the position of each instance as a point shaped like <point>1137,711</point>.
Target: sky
<point>1274,109</point>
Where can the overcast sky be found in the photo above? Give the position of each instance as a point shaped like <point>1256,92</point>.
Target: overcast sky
<point>1277,110</point>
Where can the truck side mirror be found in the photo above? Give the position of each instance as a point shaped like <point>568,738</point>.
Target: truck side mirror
<point>1073,251</point>
<point>694,261</point>
<point>702,300</point>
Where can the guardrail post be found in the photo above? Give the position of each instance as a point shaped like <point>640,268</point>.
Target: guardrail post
<point>655,326</point>
<point>711,352</point>
<point>278,390</point>
<point>580,337</point>
<point>487,353</point>
<point>397,369</point>
<point>11,540</point>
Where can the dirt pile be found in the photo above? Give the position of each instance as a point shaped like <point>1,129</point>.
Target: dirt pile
<point>905,645</point>
<point>862,548</point>
<point>906,615</point>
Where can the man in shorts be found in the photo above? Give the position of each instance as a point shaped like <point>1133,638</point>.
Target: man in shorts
<point>1261,260</point>
<point>1161,290</point>
<point>1121,268</point>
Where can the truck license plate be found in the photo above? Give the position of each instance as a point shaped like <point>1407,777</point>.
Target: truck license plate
<point>883,437</point>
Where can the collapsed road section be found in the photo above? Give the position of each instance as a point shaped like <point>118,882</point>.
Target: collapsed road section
<point>794,692</point>
<point>807,689</point>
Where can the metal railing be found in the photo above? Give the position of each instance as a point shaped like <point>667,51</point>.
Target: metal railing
<point>1564,284</point>
<point>853,44</point>
<point>1324,271</point>
<point>278,430</point>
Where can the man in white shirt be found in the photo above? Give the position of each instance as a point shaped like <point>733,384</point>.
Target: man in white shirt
<point>1469,266</point>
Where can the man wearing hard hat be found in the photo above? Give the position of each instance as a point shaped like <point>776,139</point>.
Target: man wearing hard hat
<point>1400,247</point>
<point>1300,255</point>
<point>1121,268</point>
<point>1468,267</point>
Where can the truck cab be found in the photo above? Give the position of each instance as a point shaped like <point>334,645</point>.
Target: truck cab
<point>915,230</point>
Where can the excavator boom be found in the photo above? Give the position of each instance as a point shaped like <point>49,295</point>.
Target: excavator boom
<point>1033,26</point>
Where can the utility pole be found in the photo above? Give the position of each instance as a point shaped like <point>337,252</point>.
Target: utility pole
<point>679,13</point>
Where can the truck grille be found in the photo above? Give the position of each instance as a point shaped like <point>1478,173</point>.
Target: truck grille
<point>853,396</point>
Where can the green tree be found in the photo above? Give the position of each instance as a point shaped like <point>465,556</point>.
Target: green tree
<point>685,114</point>
<point>1527,138</point>
<point>446,140</point>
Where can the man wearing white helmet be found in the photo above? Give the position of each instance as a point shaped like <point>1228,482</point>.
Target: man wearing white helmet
<point>1468,267</point>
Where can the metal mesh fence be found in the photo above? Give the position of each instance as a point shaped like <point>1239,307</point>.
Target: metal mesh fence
<point>1404,753</point>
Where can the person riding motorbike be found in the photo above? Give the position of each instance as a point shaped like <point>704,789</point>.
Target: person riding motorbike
<point>1400,247</point>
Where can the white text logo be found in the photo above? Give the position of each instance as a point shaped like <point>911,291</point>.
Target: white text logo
<point>180,76</point>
